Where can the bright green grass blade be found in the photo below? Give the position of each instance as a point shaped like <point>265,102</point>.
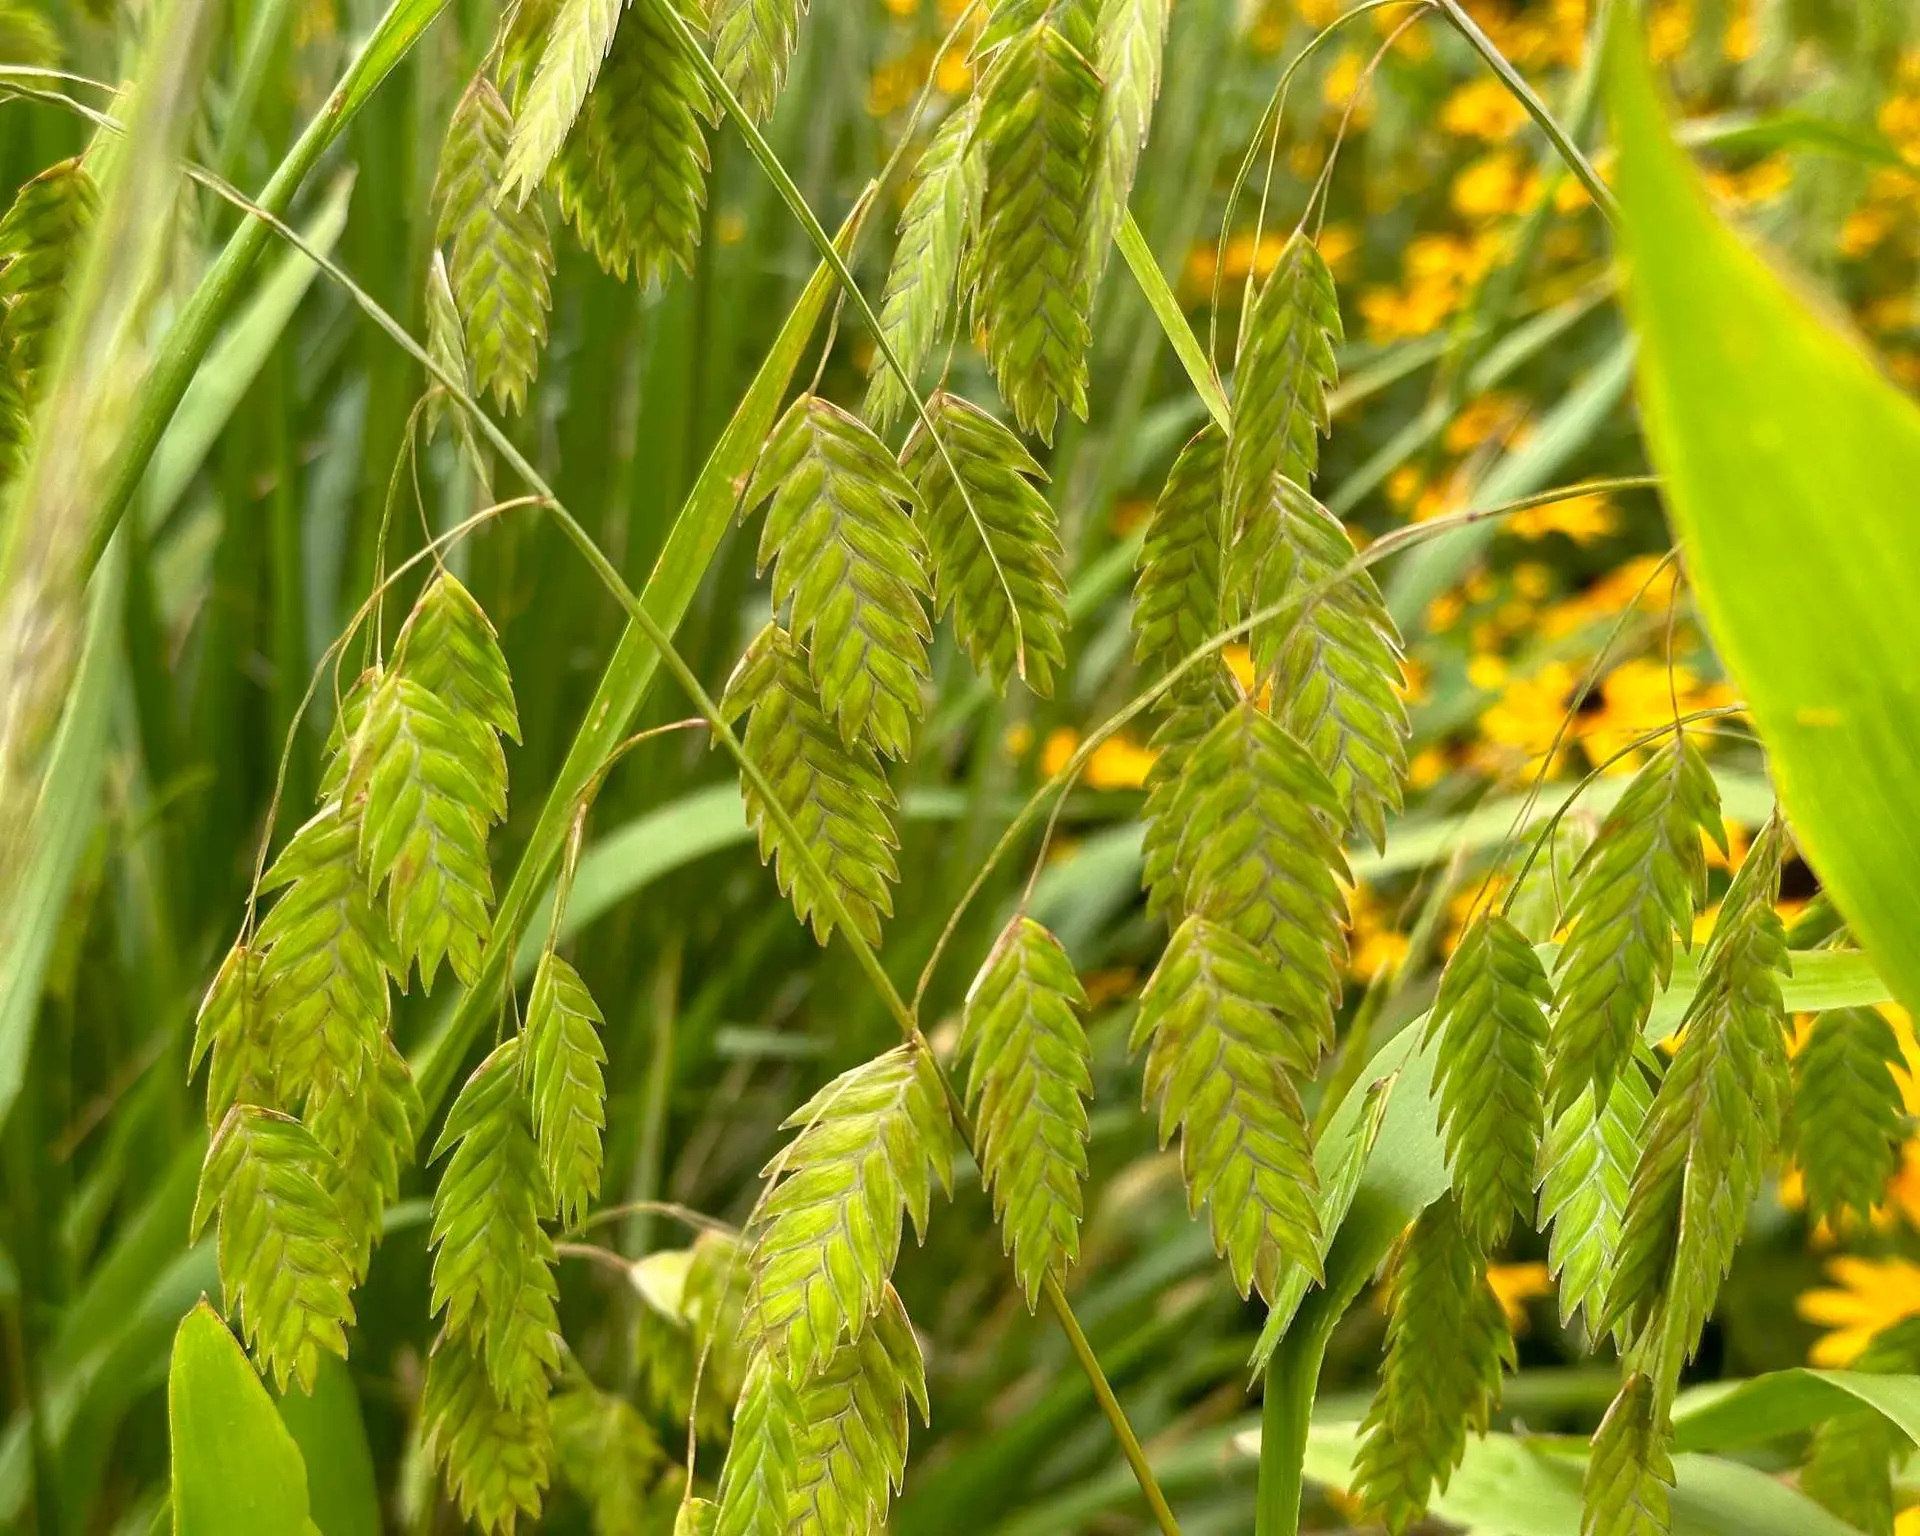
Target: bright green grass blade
<point>236,1470</point>
<point>1727,1415</point>
<point>1790,467</point>
<point>330,1433</point>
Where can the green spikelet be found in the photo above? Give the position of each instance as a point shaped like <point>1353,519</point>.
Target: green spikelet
<point>493,1282</point>
<point>1629,1469</point>
<point>1587,1171</point>
<point>496,1459</point>
<point>838,796</point>
<point>1715,1121</point>
<point>1492,1026</point>
<point>851,565</point>
<point>608,1455</point>
<point>571,51</point>
<point>1848,1114</point>
<point>1849,1461</point>
<point>447,347</point>
<point>1130,39</point>
<point>852,1436</point>
<point>632,179</point>
<point>1038,105</point>
<point>499,256</point>
<point>370,1134</point>
<point>1211,696</point>
<point>697,1517</point>
<point>431,778</point>
<point>448,646</point>
<point>1447,1341</point>
<point>565,1085</point>
<point>1225,1047</point>
<point>1642,880</point>
<point>1177,597</point>
<point>701,1318</point>
<point>41,236</point>
<point>1030,1080</point>
<point>941,212</point>
<point>1334,663</point>
<point>26,37</point>
<point>523,39</point>
<point>231,1028</point>
<point>1259,857</point>
<point>14,426</point>
<point>753,42</point>
<point>1281,381</point>
<point>762,1470</point>
<point>871,1144</point>
<point>326,956</point>
<point>283,1247</point>
<point>997,564</point>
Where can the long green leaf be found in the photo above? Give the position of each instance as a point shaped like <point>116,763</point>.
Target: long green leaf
<point>327,1427</point>
<point>1790,466</point>
<point>1726,1415</point>
<point>236,1470</point>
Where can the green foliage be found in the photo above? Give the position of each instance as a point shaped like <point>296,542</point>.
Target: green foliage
<point>825,1237</point>
<point>496,1458</point>
<point>1641,881</point>
<point>283,1244</point>
<point>1039,102</point>
<point>498,254</point>
<point>1030,1079</point>
<point>565,1086</point>
<point>1629,1470</point>
<point>26,37</point>
<point>1447,1342</point>
<point>694,1315</point>
<point>850,567</point>
<point>1492,1026</point>
<point>632,178</point>
<point>606,1453</point>
<point>941,212</point>
<point>753,41</point>
<point>1281,380</point>
<point>837,795</point>
<point>41,237</point>
<point>1177,599</point>
<point>1586,1172</point>
<point>1226,1049</point>
<point>997,559</point>
<point>493,1284</point>
<point>1334,664</point>
<point>1715,1120</point>
<point>1130,40</point>
<point>1849,1461</point>
<point>1848,1113</point>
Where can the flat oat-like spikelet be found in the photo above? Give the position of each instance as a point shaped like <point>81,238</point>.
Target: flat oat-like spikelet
<point>1031,1077</point>
<point>493,1283</point>
<point>753,40</point>
<point>632,178</point>
<point>941,212</point>
<point>850,566</point>
<point>1447,1341</point>
<point>871,1145</point>
<point>499,256</point>
<point>836,795</point>
<point>997,558</point>
<point>1030,296</point>
<point>285,1253</point>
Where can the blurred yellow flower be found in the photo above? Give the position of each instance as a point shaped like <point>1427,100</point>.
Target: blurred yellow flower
<point>1343,81</point>
<point>1428,768</point>
<point>1377,947</point>
<point>1489,418</point>
<point>1061,744</point>
<point>1868,1295</point>
<point>955,74</point>
<point>1495,185</point>
<point>1520,725</point>
<point>1584,519</point>
<point>1483,108</point>
<point>1516,1285</point>
<point>1119,762</point>
<point>1638,696</point>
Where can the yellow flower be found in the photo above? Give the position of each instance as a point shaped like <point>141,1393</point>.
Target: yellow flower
<point>1669,25</point>
<point>1239,662</point>
<point>954,74</point>
<point>1444,612</point>
<point>1516,1285</point>
<point>902,8</point>
<point>1870,1294</point>
<point>1376,946</point>
<point>1907,1522</point>
<point>1488,673</point>
<point>1520,725</point>
<point>1344,80</point>
<point>1119,763</point>
<point>1639,696</point>
<point>1019,739</point>
<point>1482,109</point>
<point>1584,519</point>
<point>1487,419</point>
<point>1061,744</point>
<point>1494,185</point>
<point>1428,768</point>
<point>1741,40</point>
